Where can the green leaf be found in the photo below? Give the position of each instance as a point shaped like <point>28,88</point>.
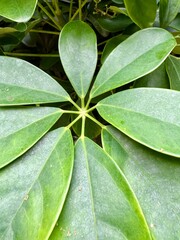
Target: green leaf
<point>17,10</point>
<point>114,24</point>
<point>168,9</point>
<point>33,189</point>
<point>100,204</point>
<point>150,116</point>
<point>173,70</point>
<point>176,50</point>
<point>21,128</point>
<point>23,83</point>
<point>158,78</point>
<point>78,53</point>
<point>111,44</point>
<point>142,12</point>
<point>175,23</point>
<point>147,49</point>
<point>154,177</point>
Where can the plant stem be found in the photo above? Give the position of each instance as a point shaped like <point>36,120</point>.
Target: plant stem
<point>30,54</point>
<point>43,31</point>
<point>83,126</point>
<point>57,9</point>
<point>50,7</point>
<point>51,24</point>
<point>95,120</point>
<point>71,101</point>
<point>58,13</point>
<point>88,102</point>
<point>49,15</point>
<point>69,111</point>
<point>102,43</point>
<point>73,122</point>
<point>70,9</point>
<point>77,11</point>
<point>80,10</point>
<point>91,109</point>
<point>82,103</point>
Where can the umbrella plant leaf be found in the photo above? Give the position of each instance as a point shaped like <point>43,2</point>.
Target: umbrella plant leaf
<point>17,10</point>
<point>23,83</point>
<point>100,204</point>
<point>21,128</point>
<point>147,49</point>
<point>150,116</point>
<point>158,78</point>
<point>142,12</point>
<point>154,177</point>
<point>168,9</point>
<point>173,70</point>
<point>78,53</point>
<point>33,189</point>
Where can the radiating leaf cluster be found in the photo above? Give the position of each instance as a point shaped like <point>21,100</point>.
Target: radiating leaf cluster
<point>124,186</point>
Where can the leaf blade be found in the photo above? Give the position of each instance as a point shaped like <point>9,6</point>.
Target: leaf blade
<point>78,48</point>
<point>120,69</point>
<point>16,10</point>
<point>173,71</point>
<point>149,116</point>
<point>148,172</point>
<point>90,198</point>
<point>42,183</point>
<point>143,13</point>
<point>21,128</point>
<point>21,83</point>
<point>168,11</point>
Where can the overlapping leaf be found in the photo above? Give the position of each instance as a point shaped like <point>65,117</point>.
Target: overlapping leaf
<point>151,116</point>
<point>146,49</point>
<point>78,53</point>
<point>33,189</point>
<point>158,78</point>
<point>168,11</point>
<point>100,204</point>
<point>173,70</point>
<point>154,177</point>
<point>142,12</point>
<point>22,83</point>
<point>17,10</point>
<point>21,128</point>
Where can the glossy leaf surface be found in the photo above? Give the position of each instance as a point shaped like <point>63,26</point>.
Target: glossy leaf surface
<point>154,177</point>
<point>150,116</point>
<point>152,46</point>
<point>17,10</point>
<point>142,12</point>
<point>173,70</point>
<point>168,9</point>
<point>34,188</point>
<point>78,53</point>
<point>100,204</point>
<point>175,23</point>
<point>23,83</point>
<point>114,24</point>
<point>21,128</point>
